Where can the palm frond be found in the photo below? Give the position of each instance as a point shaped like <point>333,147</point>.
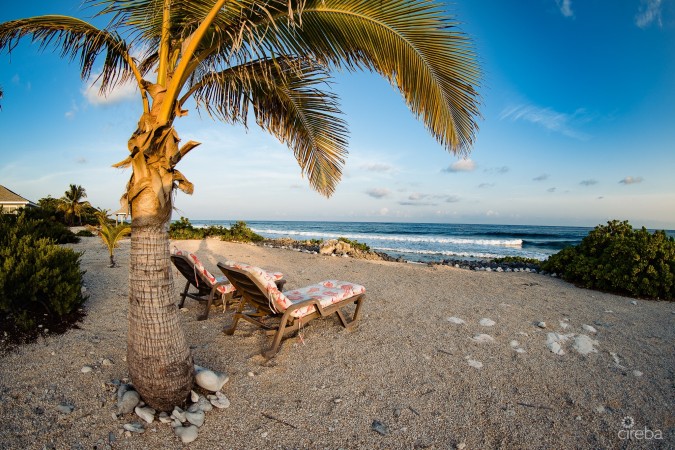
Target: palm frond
<point>409,42</point>
<point>286,102</point>
<point>76,39</point>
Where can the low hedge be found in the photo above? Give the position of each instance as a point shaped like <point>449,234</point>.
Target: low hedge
<point>617,258</point>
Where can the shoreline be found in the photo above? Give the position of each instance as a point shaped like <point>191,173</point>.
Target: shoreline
<point>419,364</point>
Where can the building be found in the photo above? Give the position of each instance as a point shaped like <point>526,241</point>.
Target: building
<point>10,201</point>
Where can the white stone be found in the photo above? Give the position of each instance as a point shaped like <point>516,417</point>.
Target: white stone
<point>178,414</point>
<point>128,401</point>
<point>554,341</point>
<point>146,413</point>
<point>134,427</point>
<point>541,324</point>
<point>65,408</point>
<point>194,396</point>
<point>564,325</point>
<point>633,302</point>
<point>456,320</point>
<point>589,329</point>
<point>514,344</point>
<point>486,322</point>
<point>584,345</point>
<point>209,379</point>
<point>107,362</point>
<point>86,369</point>
<point>519,350</point>
<point>219,401</point>
<point>187,434</point>
<point>164,417</point>
<point>600,409</point>
<point>475,364</point>
<point>482,338</point>
<point>637,373</point>
<point>195,418</point>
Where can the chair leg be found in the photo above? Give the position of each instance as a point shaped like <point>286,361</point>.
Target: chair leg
<point>183,295</point>
<point>235,319</point>
<point>205,315</point>
<point>355,317</point>
<point>277,337</point>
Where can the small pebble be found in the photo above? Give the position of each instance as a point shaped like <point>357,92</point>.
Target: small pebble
<point>589,328</point>
<point>475,364</point>
<point>455,320</point>
<point>65,408</point>
<point>541,324</point>
<point>195,418</point>
<point>461,446</point>
<point>134,427</point>
<point>178,414</point>
<point>379,427</point>
<point>107,362</point>
<point>637,373</point>
<point>86,369</point>
<point>164,417</point>
<point>486,322</point>
<point>186,434</point>
<point>145,413</point>
<point>633,302</point>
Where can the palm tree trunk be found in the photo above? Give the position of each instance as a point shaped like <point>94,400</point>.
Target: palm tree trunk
<point>159,359</point>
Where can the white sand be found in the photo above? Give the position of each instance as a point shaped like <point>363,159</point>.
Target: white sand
<point>407,368</point>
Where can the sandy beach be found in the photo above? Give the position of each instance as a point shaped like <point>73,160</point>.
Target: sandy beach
<point>424,365</point>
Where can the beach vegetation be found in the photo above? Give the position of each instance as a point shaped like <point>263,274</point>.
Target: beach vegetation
<point>72,203</point>
<point>111,234</point>
<point>40,223</point>
<point>237,60</point>
<point>37,277</point>
<point>85,233</point>
<point>619,259</point>
<point>517,260</point>
<point>239,231</point>
<point>355,244</point>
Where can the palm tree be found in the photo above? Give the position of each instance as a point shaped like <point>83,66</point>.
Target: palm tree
<point>111,234</point>
<point>71,203</point>
<point>232,57</point>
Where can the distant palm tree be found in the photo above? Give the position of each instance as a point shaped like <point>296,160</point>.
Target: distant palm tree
<point>239,59</point>
<point>71,203</point>
<point>111,234</point>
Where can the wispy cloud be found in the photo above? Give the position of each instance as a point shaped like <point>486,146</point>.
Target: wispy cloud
<point>124,92</point>
<point>548,119</point>
<point>589,182</point>
<point>378,192</point>
<point>81,160</point>
<point>463,165</point>
<point>377,167</point>
<point>498,170</point>
<point>649,12</point>
<point>551,190</point>
<point>415,196</point>
<point>486,185</point>
<point>542,177</point>
<point>565,7</point>
<point>632,180</point>
<point>452,199</point>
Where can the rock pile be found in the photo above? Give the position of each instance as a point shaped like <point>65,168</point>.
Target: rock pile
<point>185,423</point>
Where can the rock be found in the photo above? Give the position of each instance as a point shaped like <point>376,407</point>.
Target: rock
<point>584,345</point>
<point>86,369</point>
<point>554,341</point>
<point>201,404</point>
<point>589,329</point>
<point>178,414</point>
<point>186,434</point>
<point>164,417</point>
<point>194,396</point>
<point>106,362</point>
<point>541,324</point>
<point>637,373</point>
<point>633,302</point>
<point>564,325</point>
<point>134,427</point>
<point>456,320</point>
<point>514,344</point>
<point>220,402</point>
<point>65,408</point>
<point>486,322</point>
<point>127,401</point>
<point>146,413</point>
<point>475,364</point>
<point>379,427</point>
<point>482,338</point>
<point>195,418</point>
<point>600,409</point>
<point>209,379</point>
<point>461,446</point>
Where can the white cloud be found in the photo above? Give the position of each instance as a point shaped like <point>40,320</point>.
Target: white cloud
<point>650,12</point>
<point>452,199</point>
<point>124,92</point>
<point>384,211</point>
<point>542,177</point>
<point>378,192</point>
<point>551,189</point>
<point>417,196</point>
<point>491,213</point>
<point>463,165</point>
<point>632,180</point>
<point>547,118</point>
<point>377,167</point>
<point>565,7</point>
<point>486,185</point>
<point>589,182</point>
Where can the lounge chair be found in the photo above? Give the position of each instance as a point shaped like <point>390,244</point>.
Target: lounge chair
<point>293,308</point>
<point>208,287</point>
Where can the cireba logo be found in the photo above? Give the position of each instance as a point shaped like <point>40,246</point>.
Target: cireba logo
<point>629,433</point>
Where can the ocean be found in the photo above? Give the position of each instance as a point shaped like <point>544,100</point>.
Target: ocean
<point>427,242</point>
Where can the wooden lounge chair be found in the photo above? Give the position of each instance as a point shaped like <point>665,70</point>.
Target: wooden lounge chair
<point>292,308</point>
<point>208,287</point>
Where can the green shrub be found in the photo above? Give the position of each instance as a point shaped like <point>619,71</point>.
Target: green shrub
<point>85,233</point>
<point>617,258</point>
<point>355,244</point>
<point>40,223</point>
<point>183,229</point>
<point>242,233</point>
<point>36,276</point>
<point>516,259</point>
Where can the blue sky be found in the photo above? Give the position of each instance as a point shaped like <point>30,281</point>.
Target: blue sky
<point>578,128</point>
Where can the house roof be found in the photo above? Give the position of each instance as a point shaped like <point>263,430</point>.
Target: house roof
<point>10,197</point>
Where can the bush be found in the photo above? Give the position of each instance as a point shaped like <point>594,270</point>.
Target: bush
<point>517,260</point>
<point>85,233</point>
<point>36,276</point>
<point>40,223</point>
<point>616,258</point>
<point>355,244</point>
<point>183,229</point>
<point>242,233</point>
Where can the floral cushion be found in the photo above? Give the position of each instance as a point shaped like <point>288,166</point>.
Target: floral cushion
<point>327,292</point>
<point>225,287</point>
